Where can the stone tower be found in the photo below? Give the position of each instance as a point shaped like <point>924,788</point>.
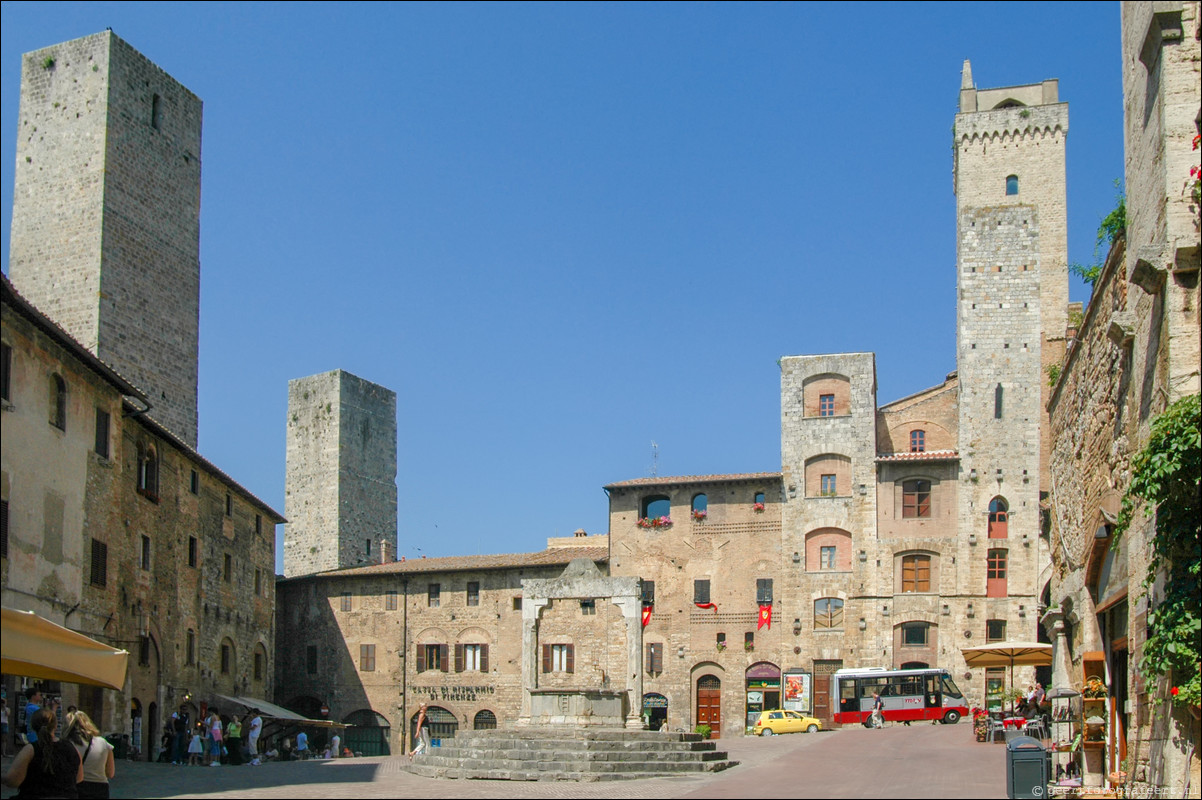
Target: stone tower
<point>106,213</point>
<point>1012,297</point>
<point>340,483</point>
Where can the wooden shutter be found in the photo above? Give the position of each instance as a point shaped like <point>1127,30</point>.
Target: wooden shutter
<point>655,657</point>
<point>421,658</point>
<point>571,657</point>
<point>484,658</point>
<point>546,658</point>
<point>442,658</point>
<point>459,658</point>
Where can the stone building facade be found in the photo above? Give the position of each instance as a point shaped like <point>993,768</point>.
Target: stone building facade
<point>340,476</point>
<point>114,525</point>
<point>117,529</point>
<point>370,644</point>
<point>892,536</point>
<point>1135,353</point>
<point>106,191</point>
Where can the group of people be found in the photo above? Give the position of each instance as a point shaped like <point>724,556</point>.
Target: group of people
<point>77,764</point>
<point>210,740</point>
<point>1031,704</point>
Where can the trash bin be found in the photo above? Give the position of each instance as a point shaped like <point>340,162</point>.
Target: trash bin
<point>120,743</point>
<point>1026,768</point>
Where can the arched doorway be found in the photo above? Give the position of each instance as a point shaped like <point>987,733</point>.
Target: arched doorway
<point>367,733</point>
<point>485,721</point>
<point>306,706</point>
<point>709,704</point>
<point>763,690</point>
<point>655,710</point>
<point>135,726</point>
<point>152,734</point>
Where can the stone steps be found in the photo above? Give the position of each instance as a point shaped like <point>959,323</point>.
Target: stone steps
<point>569,755</point>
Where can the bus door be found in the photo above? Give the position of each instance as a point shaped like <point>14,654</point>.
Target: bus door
<point>934,692</point>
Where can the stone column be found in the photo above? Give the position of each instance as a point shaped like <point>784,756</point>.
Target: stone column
<point>531,609</point>
<point>1053,623</point>
<point>632,614</point>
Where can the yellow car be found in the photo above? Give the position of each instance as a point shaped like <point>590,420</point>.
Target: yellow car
<point>772,722</point>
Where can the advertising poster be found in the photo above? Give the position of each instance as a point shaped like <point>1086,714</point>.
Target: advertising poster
<point>797,692</point>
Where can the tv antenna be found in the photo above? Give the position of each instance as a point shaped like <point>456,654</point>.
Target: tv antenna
<point>654,459</point>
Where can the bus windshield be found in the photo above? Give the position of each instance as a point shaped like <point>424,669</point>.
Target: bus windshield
<point>949,687</point>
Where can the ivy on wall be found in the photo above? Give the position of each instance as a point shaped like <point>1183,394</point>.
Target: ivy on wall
<point>1167,480</point>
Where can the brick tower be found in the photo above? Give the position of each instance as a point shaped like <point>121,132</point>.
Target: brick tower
<point>340,482</point>
<point>1012,297</point>
<point>106,213</point>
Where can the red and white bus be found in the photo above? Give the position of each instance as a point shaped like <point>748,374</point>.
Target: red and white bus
<point>907,694</point>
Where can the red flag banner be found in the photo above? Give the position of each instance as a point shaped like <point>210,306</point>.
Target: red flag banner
<point>646,615</point>
<point>713,606</point>
<point>765,616</point>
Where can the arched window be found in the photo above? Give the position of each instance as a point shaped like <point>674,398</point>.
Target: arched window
<point>1011,184</point>
<point>997,402</point>
<point>916,499</point>
<point>999,513</point>
<point>918,441</point>
<point>58,402</point>
<point>148,471</point>
<point>484,721</point>
<point>700,507</point>
<point>655,507</point>
<point>260,665</point>
<point>828,614</point>
<point>915,665</point>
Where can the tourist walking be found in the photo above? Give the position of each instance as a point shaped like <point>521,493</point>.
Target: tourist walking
<point>423,732</point>
<point>878,711</point>
<point>302,746</point>
<point>95,753</point>
<point>49,768</point>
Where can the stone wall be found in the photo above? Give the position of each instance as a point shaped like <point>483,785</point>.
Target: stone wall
<point>340,482</point>
<point>106,213</point>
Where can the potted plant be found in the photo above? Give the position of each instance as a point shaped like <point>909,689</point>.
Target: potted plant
<point>699,515</point>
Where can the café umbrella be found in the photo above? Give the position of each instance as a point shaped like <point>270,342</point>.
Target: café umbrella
<point>34,647</point>
<point>1009,654</point>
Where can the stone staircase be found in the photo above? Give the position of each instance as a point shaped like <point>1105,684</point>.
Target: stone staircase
<point>588,754</point>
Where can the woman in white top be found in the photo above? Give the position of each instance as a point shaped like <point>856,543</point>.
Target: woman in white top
<point>95,752</point>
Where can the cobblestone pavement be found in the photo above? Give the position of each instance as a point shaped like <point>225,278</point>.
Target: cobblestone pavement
<point>927,761</point>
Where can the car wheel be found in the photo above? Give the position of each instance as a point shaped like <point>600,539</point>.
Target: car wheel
<point>767,732</point>
<point>812,729</point>
<point>951,718</point>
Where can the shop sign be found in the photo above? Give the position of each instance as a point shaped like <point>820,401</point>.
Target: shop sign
<point>456,693</point>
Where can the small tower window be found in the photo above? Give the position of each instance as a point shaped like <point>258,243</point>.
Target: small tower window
<point>1011,184</point>
<point>156,112</point>
<point>997,402</point>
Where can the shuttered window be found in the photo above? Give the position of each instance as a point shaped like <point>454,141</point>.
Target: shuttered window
<point>471,658</point>
<point>655,657</point>
<point>432,657</point>
<point>367,658</point>
<point>100,562</point>
<point>559,658</point>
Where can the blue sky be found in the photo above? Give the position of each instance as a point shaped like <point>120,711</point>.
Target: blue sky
<point>562,232</point>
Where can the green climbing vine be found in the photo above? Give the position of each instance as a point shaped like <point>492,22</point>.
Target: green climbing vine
<point>1166,479</point>
<point>1113,226</point>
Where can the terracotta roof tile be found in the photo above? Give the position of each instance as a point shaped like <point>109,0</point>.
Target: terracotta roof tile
<point>928,455</point>
<point>679,479</point>
<point>554,557</point>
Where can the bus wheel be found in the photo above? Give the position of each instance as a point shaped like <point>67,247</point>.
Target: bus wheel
<point>868,722</point>
<point>951,718</point>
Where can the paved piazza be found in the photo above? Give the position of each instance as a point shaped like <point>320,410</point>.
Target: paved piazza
<point>926,761</point>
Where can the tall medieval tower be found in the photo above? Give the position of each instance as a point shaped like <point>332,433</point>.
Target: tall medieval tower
<point>106,213</point>
<point>340,493</point>
<point>1012,296</point>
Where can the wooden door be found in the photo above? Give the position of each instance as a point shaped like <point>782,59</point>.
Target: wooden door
<point>709,704</point>
<point>824,705</point>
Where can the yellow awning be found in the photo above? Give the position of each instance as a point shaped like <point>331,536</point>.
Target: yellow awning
<point>37,648</point>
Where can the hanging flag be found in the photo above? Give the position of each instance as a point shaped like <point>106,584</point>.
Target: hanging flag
<point>714,606</point>
<point>646,615</point>
<point>765,616</point>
